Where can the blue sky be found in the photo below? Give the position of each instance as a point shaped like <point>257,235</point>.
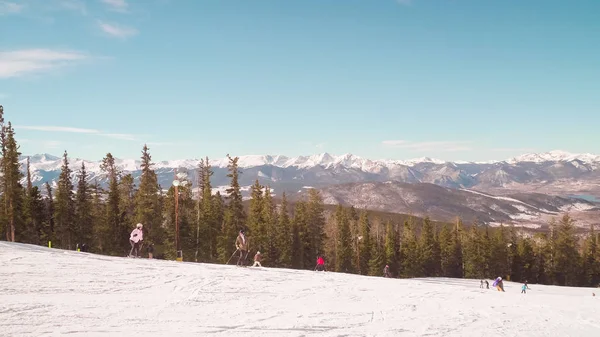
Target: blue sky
<point>455,80</point>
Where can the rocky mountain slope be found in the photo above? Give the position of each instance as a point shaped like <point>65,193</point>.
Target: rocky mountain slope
<point>532,210</point>
<point>439,187</point>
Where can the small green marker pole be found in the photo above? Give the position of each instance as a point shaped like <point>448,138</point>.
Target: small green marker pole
<point>49,244</point>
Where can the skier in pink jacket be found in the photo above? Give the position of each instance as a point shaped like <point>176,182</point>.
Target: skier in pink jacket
<point>136,238</point>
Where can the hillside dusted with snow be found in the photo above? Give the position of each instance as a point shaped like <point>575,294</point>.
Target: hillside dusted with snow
<point>50,292</point>
<point>555,173</point>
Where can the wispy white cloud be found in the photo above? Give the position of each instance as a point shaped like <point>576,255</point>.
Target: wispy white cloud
<point>118,31</point>
<point>117,5</point>
<point>445,146</point>
<point>7,7</point>
<point>320,145</point>
<point>27,61</point>
<point>67,129</point>
<point>56,129</point>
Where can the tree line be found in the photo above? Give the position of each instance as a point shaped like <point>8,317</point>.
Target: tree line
<point>288,235</point>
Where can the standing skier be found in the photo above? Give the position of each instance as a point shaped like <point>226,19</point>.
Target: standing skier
<point>135,239</point>
<point>523,289</point>
<point>257,259</point>
<point>241,244</point>
<point>386,271</point>
<point>487,285</point>
<point>320,264</point>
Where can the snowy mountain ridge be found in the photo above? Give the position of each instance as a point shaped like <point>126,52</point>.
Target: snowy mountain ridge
<point>49,162</point>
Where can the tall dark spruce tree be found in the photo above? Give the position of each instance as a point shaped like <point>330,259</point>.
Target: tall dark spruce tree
<point>146,200</point>
<point>115,234</point>
<point>64,210</point>
<point>235,217</point>
<point>84,217</point>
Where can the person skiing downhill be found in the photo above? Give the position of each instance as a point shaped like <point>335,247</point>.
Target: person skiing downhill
<point>386,271</point>
<point>241,244</point>
<point>135,239</point>
<point>320,264</point>
<point>257,259</point>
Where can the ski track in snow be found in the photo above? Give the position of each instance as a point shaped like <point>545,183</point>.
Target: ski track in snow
<point>52,292</point>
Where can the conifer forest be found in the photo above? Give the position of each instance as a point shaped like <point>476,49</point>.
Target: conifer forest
<point>289,235</point>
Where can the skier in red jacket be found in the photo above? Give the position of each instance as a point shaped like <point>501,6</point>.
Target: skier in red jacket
<point>320,264</point>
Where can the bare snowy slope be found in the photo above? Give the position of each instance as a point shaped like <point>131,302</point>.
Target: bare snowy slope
<point>49,292</point>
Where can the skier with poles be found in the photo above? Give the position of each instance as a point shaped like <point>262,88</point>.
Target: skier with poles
<point>135,239</point>
<point>241,244</point>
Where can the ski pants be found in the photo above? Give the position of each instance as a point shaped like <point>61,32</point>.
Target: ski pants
<point>135,247</point>
<point>523,291</point>
<point>242,258</point>
<point>320,267</point>
<point>256,263</point>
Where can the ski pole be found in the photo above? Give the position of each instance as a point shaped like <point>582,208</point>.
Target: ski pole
<point>232,256</point>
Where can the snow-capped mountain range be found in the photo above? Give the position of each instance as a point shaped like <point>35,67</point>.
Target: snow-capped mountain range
<point>556,173</point>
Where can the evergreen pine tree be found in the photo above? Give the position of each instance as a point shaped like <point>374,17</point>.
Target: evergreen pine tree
<point>284,235</point>
<point>65,208</point>
<point>313,232</point>
<point>475,263</point>
<point>527,268</point>
<point>591,265</point>
<point>429,250</point>
<point>256,223</point>
<point>13,190</point>
<point>115,234</point>
<point>343,262</point>
<point>410,251</point>
<point>269,217</point>
<point>33,212</point>
<point>146,201</point>
<point>235,215</point>
<point>48,226</point>
<point>83,209</point>
<point>567,259</point>
<point>98,211</point>
<point>365,243</point>
<point>298,226</point>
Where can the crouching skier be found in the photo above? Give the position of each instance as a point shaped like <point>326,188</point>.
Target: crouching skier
<point>135,239</point>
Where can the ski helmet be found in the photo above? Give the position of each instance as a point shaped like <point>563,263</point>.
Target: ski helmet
<point>139,225</point>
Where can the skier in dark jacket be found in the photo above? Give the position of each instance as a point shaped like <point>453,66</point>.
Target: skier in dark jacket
<point>241,244</point>
<point>386,271</point>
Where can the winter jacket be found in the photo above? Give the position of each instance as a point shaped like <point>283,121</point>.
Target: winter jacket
<point>524,287</point>
<point>258,257</point>
<point>241,242</point>
<point>320,261</point>
<point>137,235</point>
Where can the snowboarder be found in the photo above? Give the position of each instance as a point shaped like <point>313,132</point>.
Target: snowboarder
<point>498,284</point>
<point>320,264</point>
<point>150,250</point>
<point>386,271</point>
<point>257,259</point>
<point>241,244</point>
<point>135,239</point>
<point>523,288</point>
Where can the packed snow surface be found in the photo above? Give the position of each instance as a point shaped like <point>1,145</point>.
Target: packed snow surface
<point>51,292</point>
